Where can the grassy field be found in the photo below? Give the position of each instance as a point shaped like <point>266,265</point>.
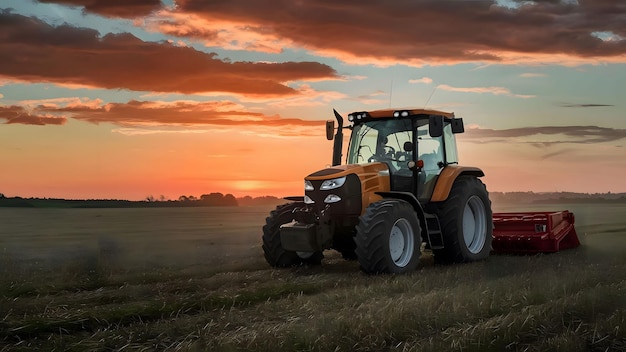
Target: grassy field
<point>195,279</point>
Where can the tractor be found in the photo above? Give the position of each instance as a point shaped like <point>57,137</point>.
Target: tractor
<point>401,189</point>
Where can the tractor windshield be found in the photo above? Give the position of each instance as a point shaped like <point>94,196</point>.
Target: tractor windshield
<point>389,141</point>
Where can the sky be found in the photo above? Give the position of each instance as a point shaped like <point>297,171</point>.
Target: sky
<point>129,99</point>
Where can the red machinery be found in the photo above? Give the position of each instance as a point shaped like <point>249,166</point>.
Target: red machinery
<point>534,232</point>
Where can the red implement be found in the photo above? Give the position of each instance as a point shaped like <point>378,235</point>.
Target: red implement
<point>535,232</point>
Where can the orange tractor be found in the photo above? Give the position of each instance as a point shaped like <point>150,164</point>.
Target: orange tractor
<point>401,186</point>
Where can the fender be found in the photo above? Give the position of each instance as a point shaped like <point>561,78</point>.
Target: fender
<point>447,177</point>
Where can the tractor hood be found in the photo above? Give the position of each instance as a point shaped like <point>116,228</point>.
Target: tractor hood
<point>362,170</point>
<point>368,179</point>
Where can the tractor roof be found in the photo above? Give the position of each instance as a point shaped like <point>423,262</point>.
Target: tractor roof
<point>385,113</point>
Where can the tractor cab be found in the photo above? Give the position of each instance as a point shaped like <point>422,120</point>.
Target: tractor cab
<point>415,145</point>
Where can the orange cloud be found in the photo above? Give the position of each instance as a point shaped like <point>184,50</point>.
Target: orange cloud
<point>150,117</point>
<point>81,57</point>
<point>20,115</point>
<point>411,32</point>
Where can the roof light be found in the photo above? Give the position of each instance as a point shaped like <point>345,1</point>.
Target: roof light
<point>401,113</point>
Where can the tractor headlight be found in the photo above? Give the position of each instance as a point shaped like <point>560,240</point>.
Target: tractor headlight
<point>308,186</point>
<point>332,184</point>
<point>332,198</point>
<point>308,200</point>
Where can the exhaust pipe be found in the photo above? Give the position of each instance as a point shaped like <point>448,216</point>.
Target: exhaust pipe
<point>338,143</point>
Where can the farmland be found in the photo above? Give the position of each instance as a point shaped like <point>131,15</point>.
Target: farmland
<point>195,279</point>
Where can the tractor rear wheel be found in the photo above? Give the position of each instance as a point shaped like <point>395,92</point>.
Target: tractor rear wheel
<point>466,223</point>
<point>388,238</point>
<point>272,247</point>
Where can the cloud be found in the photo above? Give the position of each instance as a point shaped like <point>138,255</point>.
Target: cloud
<point>408,31</point>
<point>556,153</point>
<point>424,80</point>
<point>584,105</point>
<point>81,57</point>
<point>532,75</point>
<point>481,90</point>
<point>150,117</point>
<point>547,135</point>
<point>20,115</point>
<point>124,9</point>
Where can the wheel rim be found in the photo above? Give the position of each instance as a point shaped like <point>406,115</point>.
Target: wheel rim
<point>401,242</point>
<point>474,224</point>
<point>305,255</point>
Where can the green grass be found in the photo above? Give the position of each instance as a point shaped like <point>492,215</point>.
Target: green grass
<point>195,279</point>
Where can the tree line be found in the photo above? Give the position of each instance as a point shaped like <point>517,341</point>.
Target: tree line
<point>205,200</point>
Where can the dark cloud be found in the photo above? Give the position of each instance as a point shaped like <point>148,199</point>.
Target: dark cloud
<point>113,8</point>
<point>584,105</point>
<point>562,134</point>
<point>556,153</point>
<point>19,115</point>
<point>35,51</point>
<point>435,30</point>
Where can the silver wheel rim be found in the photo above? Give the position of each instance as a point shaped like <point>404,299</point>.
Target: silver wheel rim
<point>305,255</point>
<point>401,243</point>
<point>474,225</point>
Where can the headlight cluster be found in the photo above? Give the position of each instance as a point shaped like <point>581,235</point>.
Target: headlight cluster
<point>332,184</point>
<point>357,116</point>
<point>325,186</point>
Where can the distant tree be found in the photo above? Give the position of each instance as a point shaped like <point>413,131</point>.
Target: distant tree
<point>212,198</point>
<point>2,195</point>
<point>183,199</point>
<point>150,198</point>
<point>162,198</point>
<point>230,200</point>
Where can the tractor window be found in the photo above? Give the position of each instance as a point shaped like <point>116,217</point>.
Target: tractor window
<point>429,149</point>
<point>451,150</point>
<point>363,142</point>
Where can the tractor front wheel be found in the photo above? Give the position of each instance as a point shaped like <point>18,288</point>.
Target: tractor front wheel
<point>388,238</point>
<point>272,247</point>
<point>466,223</point>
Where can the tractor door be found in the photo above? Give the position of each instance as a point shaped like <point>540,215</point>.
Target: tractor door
<point>430,152</point>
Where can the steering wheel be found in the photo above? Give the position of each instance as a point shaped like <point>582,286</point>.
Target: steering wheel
<point>389,153</point>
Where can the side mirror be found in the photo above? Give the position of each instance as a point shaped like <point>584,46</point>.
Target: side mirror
<point>408,146</point>
<point>435,126</point>
<point>330,129</point>
<point>457,126</point>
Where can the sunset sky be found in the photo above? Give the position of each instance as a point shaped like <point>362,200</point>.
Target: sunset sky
<point>127,99</point>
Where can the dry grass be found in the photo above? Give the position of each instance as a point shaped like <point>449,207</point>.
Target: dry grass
<point>113,294</point>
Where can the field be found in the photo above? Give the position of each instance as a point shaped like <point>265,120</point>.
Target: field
<point>195,279</point>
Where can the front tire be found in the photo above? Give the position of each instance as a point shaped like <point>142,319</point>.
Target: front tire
<point>466,223</point>
<point>388,238</point>
<point>273,250</point>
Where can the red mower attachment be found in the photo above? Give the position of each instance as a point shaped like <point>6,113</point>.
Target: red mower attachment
<point>534,232</point>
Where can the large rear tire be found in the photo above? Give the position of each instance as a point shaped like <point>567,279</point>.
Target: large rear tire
<point>388,238</point>
<point>275,255</point>
<point>466,223</point>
